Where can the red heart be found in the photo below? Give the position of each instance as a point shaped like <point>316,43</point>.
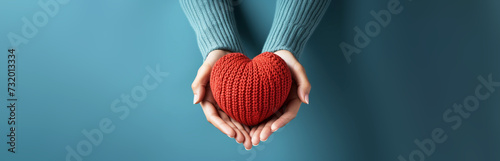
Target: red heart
<point>250,91</point>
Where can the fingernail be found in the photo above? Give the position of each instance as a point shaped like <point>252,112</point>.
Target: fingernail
<point>195,98</point>
<point>307,98</point>
<point>247,149</point>
<point>237,141</point>
<point>256,145</point>
<point>229,136</point>
<point>265,140</point>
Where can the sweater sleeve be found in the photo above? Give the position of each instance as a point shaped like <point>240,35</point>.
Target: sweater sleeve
<point>214,25</point>
<point>294,22</point>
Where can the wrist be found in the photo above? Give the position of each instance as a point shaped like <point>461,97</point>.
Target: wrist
<point>215,55</point>
<point>287,56</point>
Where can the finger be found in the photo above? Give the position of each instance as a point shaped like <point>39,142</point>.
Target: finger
<point>239,137</point>
<point>214,118</point>
<point>298,74</point>
<point>289,114</point>
<point>266,130</point>
<point>303,85</point>
<point>252,131</point>
<point>200,82</point>
<point>248,142</point>
<point>256,136</point>
<point>226,119</point>
<point>246,128</point>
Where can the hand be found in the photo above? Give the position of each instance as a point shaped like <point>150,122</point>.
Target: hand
<point>203,95</point>
<point>299,93</point>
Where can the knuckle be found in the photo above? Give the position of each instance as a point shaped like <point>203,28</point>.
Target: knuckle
<point>194,86</point>
<point>298,67</point>
<point>307,85</point>
<point>195,89</point>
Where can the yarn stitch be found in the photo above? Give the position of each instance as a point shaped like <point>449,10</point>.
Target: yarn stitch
<point>250,91</point>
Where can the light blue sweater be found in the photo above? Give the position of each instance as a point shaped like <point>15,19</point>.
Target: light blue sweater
<point>215,26</point>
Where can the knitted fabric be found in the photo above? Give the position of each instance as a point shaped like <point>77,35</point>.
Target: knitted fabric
<point>214,24</point>
<point>250,91</point>
<point>293,24</point>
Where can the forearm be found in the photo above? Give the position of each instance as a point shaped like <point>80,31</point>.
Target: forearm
<point>294,22</point>
<point>214,25</point>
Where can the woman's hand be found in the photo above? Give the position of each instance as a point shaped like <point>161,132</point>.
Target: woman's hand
<point>214,115</point>
<point>299,93</point>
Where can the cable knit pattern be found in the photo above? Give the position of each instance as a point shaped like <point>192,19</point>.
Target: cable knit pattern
<point>250,91</point>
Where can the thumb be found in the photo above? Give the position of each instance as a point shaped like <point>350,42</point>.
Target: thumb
<point>298,74</point>
<point>303,85</point>
<point>200,82</point>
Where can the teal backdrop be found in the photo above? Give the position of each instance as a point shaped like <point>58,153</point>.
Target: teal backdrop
<point>393,101</point>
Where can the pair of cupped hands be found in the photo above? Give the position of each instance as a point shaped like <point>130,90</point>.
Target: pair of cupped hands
<point>299,93</point>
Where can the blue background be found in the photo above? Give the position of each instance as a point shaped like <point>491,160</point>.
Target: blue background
<point>395,91</point>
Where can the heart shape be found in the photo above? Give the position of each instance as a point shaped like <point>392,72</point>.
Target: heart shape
<point>250,91</point>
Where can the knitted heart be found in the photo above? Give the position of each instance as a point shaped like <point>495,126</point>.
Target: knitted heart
<point>250,91</point>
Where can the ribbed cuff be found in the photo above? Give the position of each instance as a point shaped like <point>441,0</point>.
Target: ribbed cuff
<point>214,24</point>
<point>294,22</point>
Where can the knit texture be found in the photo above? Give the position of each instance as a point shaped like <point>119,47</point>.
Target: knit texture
<point>294,22</point>
<point>214,25</point>
<point>250,91</point>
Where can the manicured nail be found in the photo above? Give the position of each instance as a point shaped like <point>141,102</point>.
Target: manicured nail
<point>307,98</point>
<point>195,98</point>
